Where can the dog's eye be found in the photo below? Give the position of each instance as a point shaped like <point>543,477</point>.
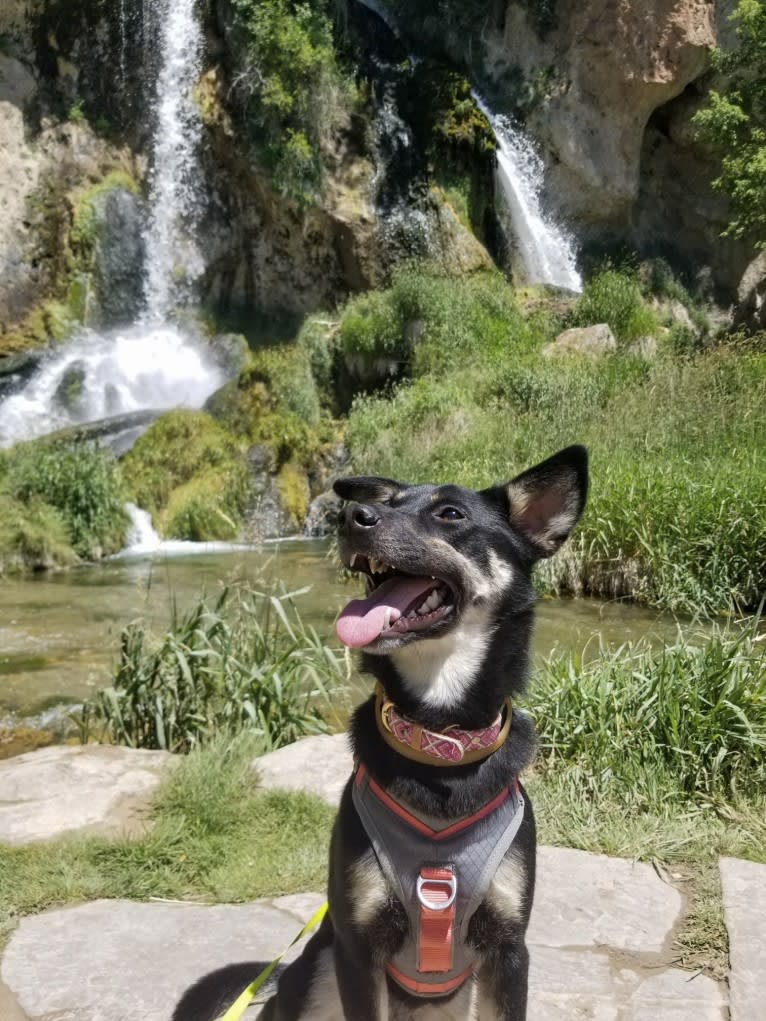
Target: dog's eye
<point>450,514</point>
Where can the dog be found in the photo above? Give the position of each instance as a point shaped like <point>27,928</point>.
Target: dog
<point>432,858</point>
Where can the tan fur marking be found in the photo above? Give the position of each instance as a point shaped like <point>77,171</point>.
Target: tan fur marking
<point>368,889</point>
<point>507,890</point>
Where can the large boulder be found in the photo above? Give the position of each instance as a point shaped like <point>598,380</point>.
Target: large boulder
<point>750,310</point>
<point>592,341</point>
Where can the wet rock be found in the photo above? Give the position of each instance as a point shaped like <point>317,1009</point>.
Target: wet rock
<point>15,370</point>
<point>118,256</point>
<point>322,516</point>
<point>69,392</point>
<point>61,789</point>
<point>592,341</point>
<point>232,351</point>
<point>266,517</point>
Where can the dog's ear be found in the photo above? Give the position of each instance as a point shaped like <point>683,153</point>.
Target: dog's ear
<point>367,488</point>
<point>544,503</point>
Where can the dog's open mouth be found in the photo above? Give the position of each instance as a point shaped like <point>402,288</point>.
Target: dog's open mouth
<point>396,604</point>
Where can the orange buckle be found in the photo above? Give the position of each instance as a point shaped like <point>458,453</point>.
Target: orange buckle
<point>436,891</point>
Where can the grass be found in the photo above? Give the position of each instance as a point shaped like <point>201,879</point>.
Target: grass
<point>63,501</point>
<point>241,662</point>
<point>215,837</point>
<point>677,510</point>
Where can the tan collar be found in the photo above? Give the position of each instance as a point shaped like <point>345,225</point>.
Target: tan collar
<point>451,747</point>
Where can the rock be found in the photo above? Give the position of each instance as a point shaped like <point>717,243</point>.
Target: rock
<point>593,341</point>
<point>320,765</point>
<point>616,64</point>
<point>265,517</point>
<point>232,351</point>
<point>121,961</point>
<point>750,310</point>
<point>744,905</point>
<point>15,370</point>
<point>590,900</point>
<point>69,392</point>
<point>119,256</point>
<point>322,516</point>
<point>119,432</point>
<point>62,789</point>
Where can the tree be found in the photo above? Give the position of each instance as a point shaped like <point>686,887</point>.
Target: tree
<point>734,123</point>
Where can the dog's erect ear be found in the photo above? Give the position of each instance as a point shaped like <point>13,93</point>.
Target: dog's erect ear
<point>545,502</point>
<point>367,488</point>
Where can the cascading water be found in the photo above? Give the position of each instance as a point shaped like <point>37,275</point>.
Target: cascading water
<point>547,253</point>
<point>103,375</point>
<point>173,258</point>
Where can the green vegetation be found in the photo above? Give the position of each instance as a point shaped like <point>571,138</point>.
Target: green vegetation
<point>692,715</point>
<point>677,512</point>
<point>244,661</point>
<point>69,498</point>
<point>291,88</point>
<point>187,470</point>
<point>215,836</point>
<point>615,298</point>
<point>733,122</point>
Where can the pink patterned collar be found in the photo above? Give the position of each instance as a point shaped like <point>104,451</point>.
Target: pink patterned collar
<point>451,747</point>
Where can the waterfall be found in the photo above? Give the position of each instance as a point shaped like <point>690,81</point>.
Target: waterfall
<point>173,259</point>
<point>100,375</point>
<point>547,252</point>
<point>141,537</point>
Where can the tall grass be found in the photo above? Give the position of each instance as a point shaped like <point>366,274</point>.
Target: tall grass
<point>686,723</point>
<point>676,516</point>
<point>244,661</point>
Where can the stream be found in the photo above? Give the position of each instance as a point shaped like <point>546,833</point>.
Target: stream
<point>59,633</point>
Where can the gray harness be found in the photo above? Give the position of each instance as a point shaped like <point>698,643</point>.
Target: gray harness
<point>440,876</point>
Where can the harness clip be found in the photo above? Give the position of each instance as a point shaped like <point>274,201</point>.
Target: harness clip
<point>450,884</point>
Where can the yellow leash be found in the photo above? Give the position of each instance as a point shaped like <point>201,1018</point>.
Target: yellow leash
<point>243,1001</point>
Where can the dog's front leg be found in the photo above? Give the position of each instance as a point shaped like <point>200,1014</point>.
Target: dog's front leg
<point>361,983</point>
<point>503,983</point>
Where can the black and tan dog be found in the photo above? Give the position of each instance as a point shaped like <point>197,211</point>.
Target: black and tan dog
<point>432,863</point>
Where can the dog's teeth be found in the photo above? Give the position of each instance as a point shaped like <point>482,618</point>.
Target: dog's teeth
<point>353,560</point>
<point>423,608</point>
<point>411,615</point>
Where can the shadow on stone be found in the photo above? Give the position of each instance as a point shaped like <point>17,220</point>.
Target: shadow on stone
<point>215,992</point>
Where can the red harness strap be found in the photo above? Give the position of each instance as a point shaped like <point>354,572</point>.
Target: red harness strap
<point>437,889</point>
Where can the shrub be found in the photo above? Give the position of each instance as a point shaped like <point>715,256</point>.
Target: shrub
<point>81,482</point>
<point>686,721</point>
<point>208,507</point>
<point>33,536</point>
<point>244,661</point>
<point>177,447</point>
<point>614,297</point>
<point>291,88</point>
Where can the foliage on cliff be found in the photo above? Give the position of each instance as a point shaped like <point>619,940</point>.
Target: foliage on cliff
<point>734,122</point>
<point>291,87</point>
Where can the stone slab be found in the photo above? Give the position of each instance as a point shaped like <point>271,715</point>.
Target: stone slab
<point>320,765</point>
<point>126,961</point>
<point>121,961</point>
<point>744,905</point>
<point>590,900</point>
<point>62,789</point>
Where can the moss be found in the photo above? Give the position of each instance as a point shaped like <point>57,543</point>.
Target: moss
<point>33,536</point>
<point>86,216</point>
<point>177,447</point>
<point>294,492</point>
<point>207,507</point>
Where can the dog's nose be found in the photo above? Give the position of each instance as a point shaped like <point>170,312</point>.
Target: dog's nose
<point>363,516</point>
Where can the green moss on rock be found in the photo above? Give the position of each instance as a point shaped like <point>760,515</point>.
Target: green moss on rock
<point>208,507</point>
<point>177,447</point>
<point>294,492</point>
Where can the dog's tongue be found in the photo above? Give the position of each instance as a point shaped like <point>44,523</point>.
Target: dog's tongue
<point>363,619</point>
